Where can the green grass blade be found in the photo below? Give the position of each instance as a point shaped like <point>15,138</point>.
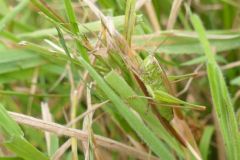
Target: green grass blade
<point>85,28</point>
<point>47,11</point>
<point>9,126</point>
<point>71,16</point>
<point>201,59</point>
<point>15,140</point>
<point>130,18</point>
<point>236,81</point>
<point>138,126</point>
<point>18,60</point>
<point>74,28</point>
<point>202,38</point>
<point>24,149</point>
<point>220,96</point>
<point>63,43</point>
<point>181,42</point>
<point>9,17</point>
<point>143,132</point>
<point>10,36</point>
<point>140,105</point>
<point>205,141</point>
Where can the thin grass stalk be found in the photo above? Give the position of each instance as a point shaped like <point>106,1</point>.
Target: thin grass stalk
<point>74,28</point>
<point>220,96</point>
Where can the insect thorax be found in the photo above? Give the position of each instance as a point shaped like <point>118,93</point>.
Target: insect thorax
<point>152,73</point>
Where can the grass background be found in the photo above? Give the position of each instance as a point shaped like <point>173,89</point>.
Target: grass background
<point>119,79</point>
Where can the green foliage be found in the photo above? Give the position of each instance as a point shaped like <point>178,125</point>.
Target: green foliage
<point>206,141</point>
<point>10,16</point>
<point>139,105</point>
<point>14,139</point>
<point>144,133</point>
<point>220,96</point>
<point>51,50</point>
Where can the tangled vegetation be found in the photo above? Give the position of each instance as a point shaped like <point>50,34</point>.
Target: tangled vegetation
<point>119,79</point>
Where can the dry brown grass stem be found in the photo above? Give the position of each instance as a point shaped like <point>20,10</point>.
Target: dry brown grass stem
<point>152,16</point>
<point>79,134</point>
<point>94,108</point>
<point>61,150</point>
<point>174,12</point>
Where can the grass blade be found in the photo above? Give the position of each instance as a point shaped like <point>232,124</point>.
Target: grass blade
<point>9,126</point>
<point>139,105</point>
<point>182,42</point>
<point>47,11</point>
<point>130,18</point>
<point>9,17</point>
<point>75,29</point>
<point>24,149</point>
<point>205,141</point>
<point>220,96</point>
<point>18,60</point>
<point>85,28</point>
<point>15,140</point>
<point>143,132</point>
